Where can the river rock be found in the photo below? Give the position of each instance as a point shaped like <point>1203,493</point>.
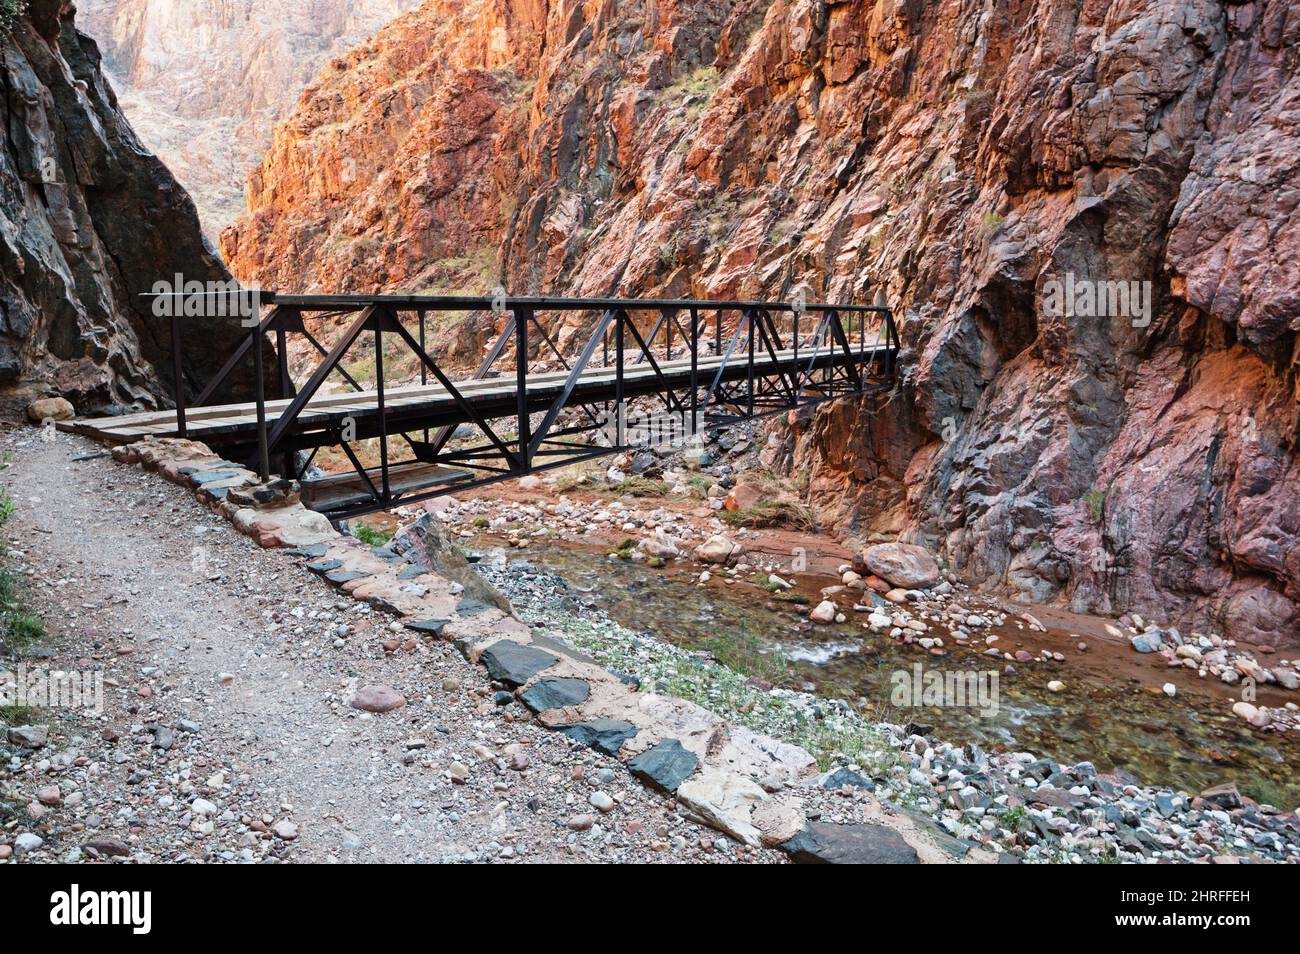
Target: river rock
<point>108,847</point>
<point>27,842</point>
<point>1148,642</point>
<point>843,777</point>
<point>824,612</point>
<point>661,549</point>
<point>377,699</point>
<point>665,766</point>
<point>718,549</point>
<point>1252,714</point>
<point>1225,796</point>
<point>28,736</point>
<point>904,565</point>
<point>832,844</point>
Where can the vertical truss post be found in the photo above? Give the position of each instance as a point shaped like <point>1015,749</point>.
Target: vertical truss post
<point>424,372</point>
<point>522,316</point>
<point>749,371</point>
<point>178,380</point>
<point>259,395</point>
<point>668,343</point>
<point>797,386</point>
<point>618,374</point>
<point>383,418</point>
<point>695,370</point>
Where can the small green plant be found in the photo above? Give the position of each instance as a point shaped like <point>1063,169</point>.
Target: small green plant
<point>10,11</point>
<point>991,222</point>
<point>1095,501</point>
<point>370,536</point>
<point>1015,819</point>
<point>480,523</point>
<point>17,715</point>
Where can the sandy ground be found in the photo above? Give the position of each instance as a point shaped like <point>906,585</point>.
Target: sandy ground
<point>190,621</point>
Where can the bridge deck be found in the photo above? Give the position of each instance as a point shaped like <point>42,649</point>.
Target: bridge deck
<point>431,405</point>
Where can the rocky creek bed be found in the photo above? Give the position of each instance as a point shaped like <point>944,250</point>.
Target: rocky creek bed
<point>976,778</point>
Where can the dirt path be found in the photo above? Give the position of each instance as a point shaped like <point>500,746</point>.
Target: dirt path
<point>192,623</point>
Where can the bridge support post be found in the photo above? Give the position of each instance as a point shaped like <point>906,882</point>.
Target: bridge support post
<point>385,491</point>
<point>259,395</point>
<point>522,316</point>
<point>178,379</point>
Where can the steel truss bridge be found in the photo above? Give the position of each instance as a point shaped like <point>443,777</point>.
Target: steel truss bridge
<point>691,366</point>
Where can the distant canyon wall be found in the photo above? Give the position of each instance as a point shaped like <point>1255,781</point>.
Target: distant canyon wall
<point>971,159</point>
<point>204,81</point>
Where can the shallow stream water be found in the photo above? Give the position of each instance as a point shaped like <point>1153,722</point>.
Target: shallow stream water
<point>1188,742</point>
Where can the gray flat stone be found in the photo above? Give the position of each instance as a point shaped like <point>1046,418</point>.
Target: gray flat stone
<point>665,766</point>
<point>211,476</point>
<point>344,576</point>
<point>842,777</point>
<point>604,735</point>
<point>426,625</point>
<point>822,843</point>
<point>514,663</point>
<point>555,694</point>
<point>469,606</point>
<point>410,573</point>
<point>314,551</point>
<point>324,566</point>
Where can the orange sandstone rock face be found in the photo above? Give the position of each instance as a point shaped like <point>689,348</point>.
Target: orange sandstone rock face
<point>974,163</point>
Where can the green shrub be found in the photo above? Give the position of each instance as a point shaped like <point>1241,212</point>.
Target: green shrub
<point>10,11</point>
<point>370,536</point>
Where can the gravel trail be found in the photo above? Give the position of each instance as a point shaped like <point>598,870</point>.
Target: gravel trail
<point>226,733</point>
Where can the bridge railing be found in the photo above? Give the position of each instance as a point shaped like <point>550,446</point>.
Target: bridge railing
<point>707,363</point>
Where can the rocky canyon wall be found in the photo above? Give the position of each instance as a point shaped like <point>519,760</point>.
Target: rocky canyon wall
<point>978,161</point>
<point>89,221</point>
<point>203,82</point>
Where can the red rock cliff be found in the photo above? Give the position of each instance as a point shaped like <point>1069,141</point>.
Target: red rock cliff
<point>970,159</point>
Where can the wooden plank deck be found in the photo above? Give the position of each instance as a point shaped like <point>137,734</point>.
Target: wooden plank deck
<point>340,491</point>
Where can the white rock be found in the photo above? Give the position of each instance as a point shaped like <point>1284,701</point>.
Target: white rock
<point>824,612</point>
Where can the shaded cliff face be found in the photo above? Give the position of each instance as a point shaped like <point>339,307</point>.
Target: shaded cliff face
<point>89,221</point>
<point>203,83</point>
<point>998,169</point>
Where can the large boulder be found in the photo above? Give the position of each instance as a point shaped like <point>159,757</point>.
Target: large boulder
<point>427,545</point>
<point>902,564</point>
<point>747,494</point>
<point>718,549</point>
<point>50,409</point>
